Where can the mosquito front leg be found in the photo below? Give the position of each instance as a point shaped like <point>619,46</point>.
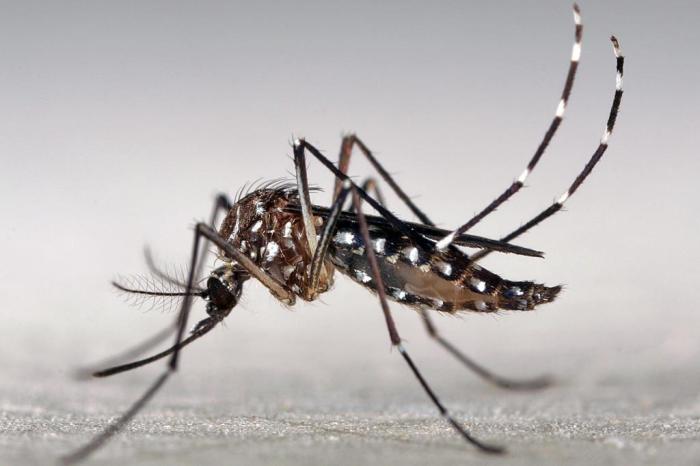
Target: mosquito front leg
<point>396,339</point>
<point>181,323</point>
<point>222,202</point>
<point>202,232</point>
<point>371,186</point>
<point>401,226</point>
<point>536,383</point>
<point>276,287</point>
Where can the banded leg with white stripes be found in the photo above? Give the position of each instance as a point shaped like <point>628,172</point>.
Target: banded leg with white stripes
<point>588,168</point>
<point>396,339</point>
<point>548,136</point>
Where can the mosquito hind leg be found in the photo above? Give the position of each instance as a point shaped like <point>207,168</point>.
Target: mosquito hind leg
<point>222,202</point>
<point>346,147</point>
<point>536,383</point>
<point>588,168</point>
<point>396,339</point>
<point>546,139</point>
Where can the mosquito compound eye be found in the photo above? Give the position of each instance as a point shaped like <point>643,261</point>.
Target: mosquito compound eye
<point>219,295</point>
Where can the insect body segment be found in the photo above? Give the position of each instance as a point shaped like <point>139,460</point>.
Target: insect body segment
<point>259,227</point>
<point>444,281</point>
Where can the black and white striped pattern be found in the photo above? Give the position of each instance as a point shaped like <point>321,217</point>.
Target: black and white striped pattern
<point>597,155</point>
<point>549,134</point>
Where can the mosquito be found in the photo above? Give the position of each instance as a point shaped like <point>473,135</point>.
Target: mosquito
<point>275,235</point>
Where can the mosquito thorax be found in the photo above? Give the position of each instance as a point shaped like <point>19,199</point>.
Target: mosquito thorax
<point>259,226</point>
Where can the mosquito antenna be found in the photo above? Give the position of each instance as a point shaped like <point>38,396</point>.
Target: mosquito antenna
<point>127,289</point>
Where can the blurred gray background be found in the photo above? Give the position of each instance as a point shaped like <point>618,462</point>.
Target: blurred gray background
<point>121,121</point>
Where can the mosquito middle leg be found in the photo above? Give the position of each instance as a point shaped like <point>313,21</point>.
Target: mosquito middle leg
<point>346,147</point>
<point>396,339</point>
<point>221,203</point>
<point>508,383</point>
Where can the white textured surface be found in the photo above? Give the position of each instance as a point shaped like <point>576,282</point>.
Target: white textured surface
<point>241,399</point>
<point>555,428</point>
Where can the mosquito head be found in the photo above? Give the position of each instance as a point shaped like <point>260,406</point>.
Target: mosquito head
<point>224,287</point>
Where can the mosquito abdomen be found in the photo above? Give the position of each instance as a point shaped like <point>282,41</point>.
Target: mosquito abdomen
<point>446,282</point>
<point>524,296</point>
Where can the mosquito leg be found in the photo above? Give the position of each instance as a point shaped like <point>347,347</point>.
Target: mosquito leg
<point>502,382</point>
<point>222,202</point>
<point>406,228</point>
<point>538,382</point>
<point>87,372</point>
<point>277,288</point>
<point>201,329</point>
<point>304,199</point>
<point>370,185</point>
<point>549,134</point>
<point>597,155</point>
<point>346,147</point>
<point>324,241</point>
<point>403,227</point>
<point>97,442</point>
<point>206,232</point>
<point>396,339</point>
<point>116,426</point>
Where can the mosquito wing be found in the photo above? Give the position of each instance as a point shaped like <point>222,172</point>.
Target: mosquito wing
<point>431,232</point>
